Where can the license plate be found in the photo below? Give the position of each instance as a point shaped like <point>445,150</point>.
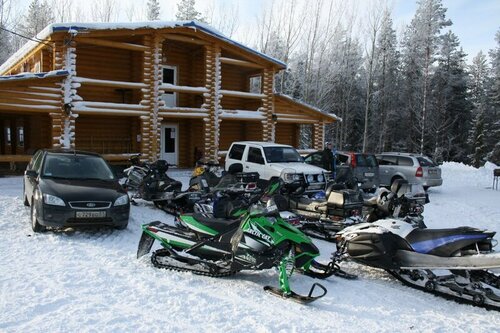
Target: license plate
<point>86,215</point>
<point>369,174</point>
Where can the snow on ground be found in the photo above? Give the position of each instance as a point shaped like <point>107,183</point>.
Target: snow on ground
<point>91,280</point>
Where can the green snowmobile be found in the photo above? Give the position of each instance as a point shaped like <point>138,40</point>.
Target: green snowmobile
<point>259,239</point>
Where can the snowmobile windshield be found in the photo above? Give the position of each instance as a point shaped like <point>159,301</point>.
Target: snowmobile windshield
<point>73,166</point>
<point>282,155</point>
<point>412,191</point>
<point>260,210</point>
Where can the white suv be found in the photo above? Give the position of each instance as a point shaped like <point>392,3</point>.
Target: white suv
<point>276,160</point>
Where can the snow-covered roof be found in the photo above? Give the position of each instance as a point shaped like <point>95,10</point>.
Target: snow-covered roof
<point>262,143</point>
<point>76,27</point>
<point>308,106</point>
<point>26,76</point>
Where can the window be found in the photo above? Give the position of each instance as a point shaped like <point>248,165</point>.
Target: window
<point>169,77</point>
<point>282,155</point>
<point>7,135</point>
<point>255,156</point>
<point>256,84</point>
<point>37,161</point>
<point>20,136</point>
<point>425,161</point>
<point>387,160</point>
<point>366,160</point>
<point>405,161</point>
<point>236,152</point>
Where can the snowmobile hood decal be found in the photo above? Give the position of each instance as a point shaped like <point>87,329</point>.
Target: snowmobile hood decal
<point>429,245</point>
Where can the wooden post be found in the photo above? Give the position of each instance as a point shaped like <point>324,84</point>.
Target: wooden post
<point>318,135</point>
<point>211,124</point>
<point>151,124</point>
<point>63,122</point>
<point>268,125</point>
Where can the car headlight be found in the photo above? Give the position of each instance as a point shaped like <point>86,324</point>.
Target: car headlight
<point>310,178</point>
<point>291,177</point>
<point>53,200</point>
<point>321,178</point>
<point>123,200</point>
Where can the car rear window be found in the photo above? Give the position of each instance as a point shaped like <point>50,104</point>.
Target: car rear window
<point>405,161</point>
<point>236,152</point>
<point>363,160</point>
<point>425,162</point>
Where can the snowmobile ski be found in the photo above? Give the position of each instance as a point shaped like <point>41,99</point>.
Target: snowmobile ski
<point>296,297</point>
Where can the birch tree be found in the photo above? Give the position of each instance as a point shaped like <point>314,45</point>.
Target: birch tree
<point>5,37</point>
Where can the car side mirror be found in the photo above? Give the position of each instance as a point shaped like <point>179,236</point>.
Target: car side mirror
<point>31,173</point>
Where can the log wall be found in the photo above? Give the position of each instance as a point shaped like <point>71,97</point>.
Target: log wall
<point>107,135</point>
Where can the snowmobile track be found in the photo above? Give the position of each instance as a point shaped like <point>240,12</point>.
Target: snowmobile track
<point>488,277</point>
<point>157,264</point>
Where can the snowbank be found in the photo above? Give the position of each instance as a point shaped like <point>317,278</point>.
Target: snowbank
<point>91,280</point>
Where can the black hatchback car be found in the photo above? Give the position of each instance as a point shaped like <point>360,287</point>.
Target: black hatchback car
<point>73,188</point>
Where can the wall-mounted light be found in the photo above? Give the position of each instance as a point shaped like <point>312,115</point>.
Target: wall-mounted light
<point>67,108</point>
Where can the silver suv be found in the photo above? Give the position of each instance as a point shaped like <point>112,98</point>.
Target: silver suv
<point>415,168</point>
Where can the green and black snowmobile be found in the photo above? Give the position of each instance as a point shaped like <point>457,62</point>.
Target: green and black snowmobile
<point>259,239</point>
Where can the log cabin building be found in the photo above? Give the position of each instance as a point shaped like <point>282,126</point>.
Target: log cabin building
<point>171,90</point>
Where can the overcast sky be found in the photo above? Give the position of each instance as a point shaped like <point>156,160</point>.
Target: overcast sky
<point>475,22</point>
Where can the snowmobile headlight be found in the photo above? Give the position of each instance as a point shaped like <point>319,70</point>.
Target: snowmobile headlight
<point>123,200</point>
<point>53,200</point>
<point>321,178</point>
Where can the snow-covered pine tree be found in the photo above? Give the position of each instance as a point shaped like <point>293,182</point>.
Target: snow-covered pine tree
<point>478,92</point>
<point>449,107</point>
<point>493,117</point>
<point>186,11</point>
<point>386,90</point>
<point>153,10</point>
<point>39,15</point>
<point>421,41</point>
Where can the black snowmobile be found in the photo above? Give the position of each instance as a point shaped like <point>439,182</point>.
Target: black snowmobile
<point>151,182</point>
<point>258,240</point>
<point>454,263</point>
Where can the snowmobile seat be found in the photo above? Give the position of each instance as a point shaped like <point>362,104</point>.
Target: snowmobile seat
<point>220,225</point>
<point>446,242</point>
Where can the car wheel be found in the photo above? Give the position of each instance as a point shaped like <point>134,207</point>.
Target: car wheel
<point>37,227</point>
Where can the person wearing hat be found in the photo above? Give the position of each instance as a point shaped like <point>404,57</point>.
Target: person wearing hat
<point>327,157</point>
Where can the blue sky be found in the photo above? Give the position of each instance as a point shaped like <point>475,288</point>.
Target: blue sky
<point>475,22</point>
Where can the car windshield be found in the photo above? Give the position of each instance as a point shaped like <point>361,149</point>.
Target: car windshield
<point>425,161</point>
<point>74,166</point>
<point>366,160</point>
<point>282,155</point>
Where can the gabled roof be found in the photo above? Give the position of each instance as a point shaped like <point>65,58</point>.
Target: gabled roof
<point>76,27</point>
<point>329,117</point>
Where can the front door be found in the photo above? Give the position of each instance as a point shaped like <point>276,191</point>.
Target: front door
<point>170,143</point>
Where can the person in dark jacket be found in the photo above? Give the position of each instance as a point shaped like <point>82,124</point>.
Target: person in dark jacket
<point>327,157</point>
